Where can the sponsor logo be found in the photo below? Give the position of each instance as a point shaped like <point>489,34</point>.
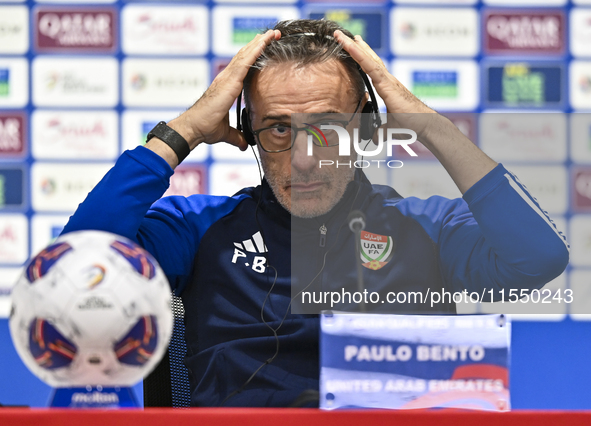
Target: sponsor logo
<point>523,84</point>
<point>137,123</point>
<point>74,134</point>
<point>368,25</point>
<point>188,179</point>
<point>95,398</point>
<point>580,138</point>
<point>434,31</point>
<point>407,30</point>
<point>528,32</point>
<point>580,236</point>
<point>12,188</point>
<point>535,3</point>
<point>246,28</point>
<point>229,178</point>
<point>580,84</point>
<point>71,83</point>
<point>61,187</point>
<point>14,82</point>
<point>147,126</point>
<point>14,29</point>
<point>376,250</point>
<point>12,134</point>
<point>4,81</point>
<point>45,229</point>
<point>237,25</point>
<point>443,85</point>
<point>582,189</point>
<point>173,82</point>
<point>580,32</point>
<point>435,84</point>
<point>75,82</point>
<point>156,30</point>
<point>465,122</point>
<point>425,179</point>
<point>548,184</point>
<point>94,303</point>
<point>75,29</point>
<point>13,238</point>
<point>524,137</point>
<point>251,245</point>
<point>219,65</point>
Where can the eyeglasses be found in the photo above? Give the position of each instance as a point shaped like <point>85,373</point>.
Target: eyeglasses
<point>279,138</point>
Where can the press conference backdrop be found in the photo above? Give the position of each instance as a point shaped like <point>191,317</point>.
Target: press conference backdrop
<point>82,81</point>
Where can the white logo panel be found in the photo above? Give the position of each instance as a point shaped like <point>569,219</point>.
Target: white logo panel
<point>548,184</point>
<point>8,278</point>
<point>88,135</point>
<point>531,3</point>
<point>527,137</point>
<point>137,124</point>
<point>580,32</point>
<point>580,240</point>
<point>580,84</point>
<point>236,26</point>
<point>14,83</point>
<point>580,138</point>
<point>76,1</point>
<point>14,238</point>
<point>450,85</point>
<point>14,30</point>
<point>424,180</point>
<point>61,187</point>
<point>446,2</point>
<point>164,82</point>
<point>229,178</point>
<point>163,30</point>
<point>434,31</point>
<point>580,283</point>
<point>75,81</point>
<point>45,229</point>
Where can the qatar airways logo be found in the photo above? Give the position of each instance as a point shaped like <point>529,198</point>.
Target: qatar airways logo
<point>75,29</point>
<point>333,134</point>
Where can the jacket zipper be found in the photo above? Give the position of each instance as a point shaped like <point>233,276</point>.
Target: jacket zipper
<point>323,230</point>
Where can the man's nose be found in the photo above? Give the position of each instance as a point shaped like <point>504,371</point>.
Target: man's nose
<point>301,159</point>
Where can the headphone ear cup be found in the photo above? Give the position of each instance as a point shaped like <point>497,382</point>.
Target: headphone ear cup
<point>246,129</point>
<point>368,120</point>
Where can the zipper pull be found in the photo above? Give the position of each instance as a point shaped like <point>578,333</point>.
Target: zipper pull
<point>323,231</point>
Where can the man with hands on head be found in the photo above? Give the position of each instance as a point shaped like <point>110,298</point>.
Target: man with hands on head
<point>233,259</point>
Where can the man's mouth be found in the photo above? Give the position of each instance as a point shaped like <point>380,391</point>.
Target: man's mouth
<point>306,187</point>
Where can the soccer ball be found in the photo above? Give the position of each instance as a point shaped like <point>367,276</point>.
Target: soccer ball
<point>93,308</point>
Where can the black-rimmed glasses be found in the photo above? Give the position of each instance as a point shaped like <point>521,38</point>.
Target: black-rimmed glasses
<point>280,137</point>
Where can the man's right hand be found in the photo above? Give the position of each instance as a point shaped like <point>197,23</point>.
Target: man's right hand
<point>208,119</point>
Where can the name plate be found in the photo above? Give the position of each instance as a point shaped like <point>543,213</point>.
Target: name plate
<point>414,361</point>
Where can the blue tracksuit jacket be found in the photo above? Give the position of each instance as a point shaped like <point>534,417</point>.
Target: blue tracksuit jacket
<point>212,250</point>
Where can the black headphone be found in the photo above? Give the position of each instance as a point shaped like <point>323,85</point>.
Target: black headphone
<point>370,114</point>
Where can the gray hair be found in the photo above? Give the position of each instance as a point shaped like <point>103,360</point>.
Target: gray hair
<point>303,42</point>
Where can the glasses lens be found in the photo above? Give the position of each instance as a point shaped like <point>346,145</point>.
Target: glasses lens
<point>275,138</point>
<point>325,133</point>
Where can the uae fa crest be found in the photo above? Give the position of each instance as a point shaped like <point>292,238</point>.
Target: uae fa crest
<point>376,250</point>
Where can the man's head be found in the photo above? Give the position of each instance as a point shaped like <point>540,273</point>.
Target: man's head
<point>306,71</point>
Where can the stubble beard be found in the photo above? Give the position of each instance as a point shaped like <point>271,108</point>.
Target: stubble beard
<point>308,205</point>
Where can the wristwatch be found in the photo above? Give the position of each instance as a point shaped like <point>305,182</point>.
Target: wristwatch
<point>171,138</point>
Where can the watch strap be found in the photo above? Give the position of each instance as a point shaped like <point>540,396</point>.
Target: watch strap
<point>171,138</point>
